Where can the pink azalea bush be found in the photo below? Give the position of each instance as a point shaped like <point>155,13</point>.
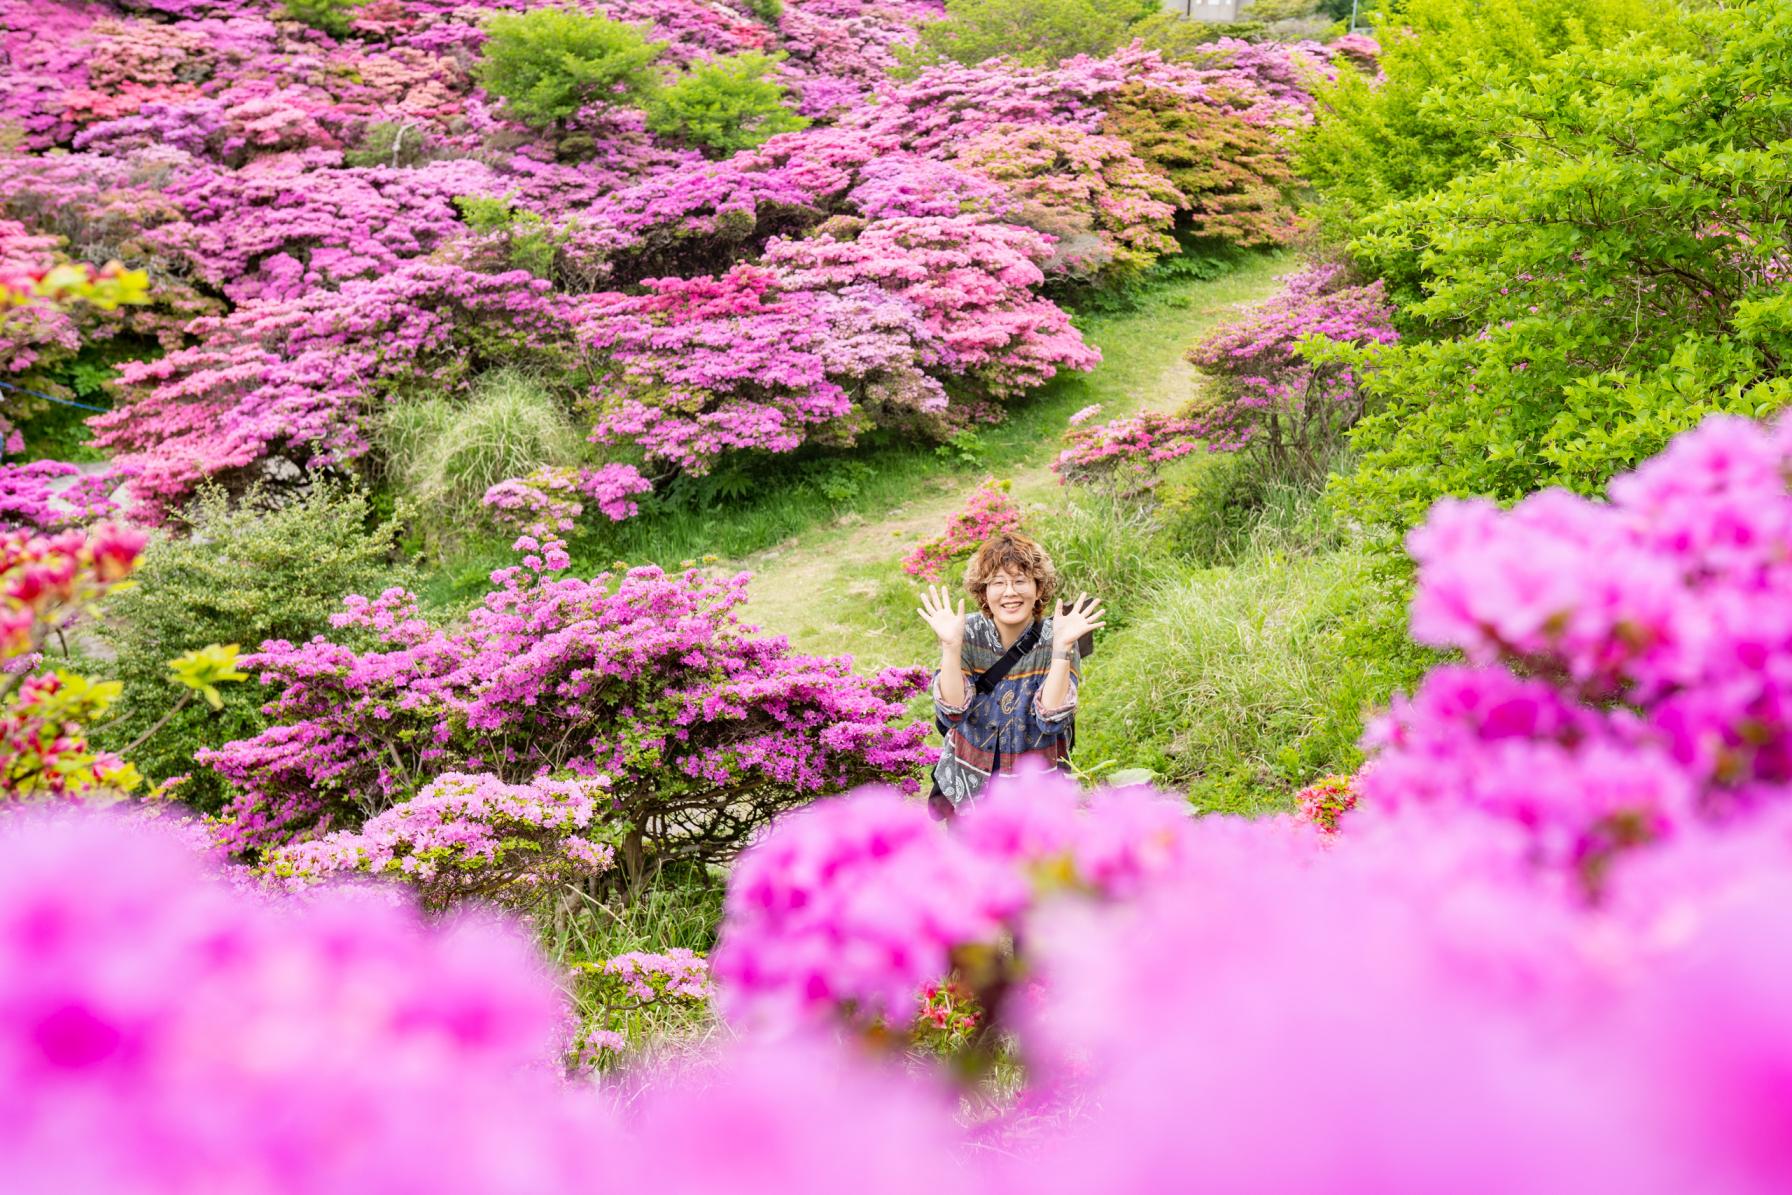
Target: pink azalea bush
<point>1278,389</point>
<point>297,376</point>
<point>1622,680</point>
<point>988,512</point>
<point>628,992</point>
<point>466,836</point>
<point>546,503</point>
<point>1122,455</point>
<point>700,367</point>
<point>164,1033</point>
<point>650,679</point>
<point>969,284</point>
<point>54,495</point>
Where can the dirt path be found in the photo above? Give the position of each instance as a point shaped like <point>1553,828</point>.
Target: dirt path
<point>824,584</point>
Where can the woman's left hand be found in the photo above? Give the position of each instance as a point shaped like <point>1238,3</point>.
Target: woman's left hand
<point>1076,619</point>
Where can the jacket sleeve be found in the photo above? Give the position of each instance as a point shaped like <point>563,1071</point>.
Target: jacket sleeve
<point>1047,721</point>
<point>950,714</point>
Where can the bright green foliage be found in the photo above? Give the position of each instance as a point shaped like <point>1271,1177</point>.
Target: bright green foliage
<point>724,105</point>
<point>1620,275</point>
<point>328,16</point>
<point>548,63</point>
<point>241,576</point>
<point>204,669</point>
<point>1377,141</point>
<point>526,239</point>
<point>1031,32</point>
<point>1179,39</point>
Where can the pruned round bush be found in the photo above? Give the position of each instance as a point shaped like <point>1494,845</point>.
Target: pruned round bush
<point>724,105</point>
<point>549,63</point>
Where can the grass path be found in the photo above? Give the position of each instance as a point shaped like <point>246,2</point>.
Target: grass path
<point>838,586</point>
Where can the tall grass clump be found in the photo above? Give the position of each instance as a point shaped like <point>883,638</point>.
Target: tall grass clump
<point>1235,683</point>
<point>445,455</point>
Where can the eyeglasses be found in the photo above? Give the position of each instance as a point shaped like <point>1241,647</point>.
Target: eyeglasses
<point>1009,584</point>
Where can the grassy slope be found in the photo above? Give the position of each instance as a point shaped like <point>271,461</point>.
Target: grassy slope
<point>836,585</point>
<point>783,526</point>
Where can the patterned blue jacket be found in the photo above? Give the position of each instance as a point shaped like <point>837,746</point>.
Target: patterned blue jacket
<point>1006,723</point>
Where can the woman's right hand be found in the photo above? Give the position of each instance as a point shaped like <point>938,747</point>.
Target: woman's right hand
<point>936,610</point>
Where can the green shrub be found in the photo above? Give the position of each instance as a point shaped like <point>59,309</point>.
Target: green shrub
<point>1030,32</point>
<point>1179,39</point>
<point>241,575</point>
<point>724,105</point>
<point>548,63</point>
<point>1376,141</point>
<point>526,239</point>
<point>444,456</point>
<point>328,16</point>
<point>1612,281</point>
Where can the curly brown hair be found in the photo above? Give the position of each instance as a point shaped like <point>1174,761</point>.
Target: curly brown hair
<point>1011,551</point>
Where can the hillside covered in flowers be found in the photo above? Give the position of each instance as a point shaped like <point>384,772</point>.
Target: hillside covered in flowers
<point>347,208</point>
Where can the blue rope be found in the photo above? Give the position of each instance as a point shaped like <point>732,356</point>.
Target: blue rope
<point>67,402</point>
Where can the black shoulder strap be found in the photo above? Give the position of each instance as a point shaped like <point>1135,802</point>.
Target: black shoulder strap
<point>992,676</point>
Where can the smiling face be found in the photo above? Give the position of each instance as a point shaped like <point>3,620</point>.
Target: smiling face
<point>1012,580</point>
<point>1012,598</point>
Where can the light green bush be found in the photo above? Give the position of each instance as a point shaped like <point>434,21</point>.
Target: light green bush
<point>1615,278</point>
<point>525,239</point>
<point>445,455</point>
<point>239,575</point>
<point>1031,32</point>
<point>548,63</point>
<point>328,16</point>
<point>724,105</point>
<point>1376,141</point>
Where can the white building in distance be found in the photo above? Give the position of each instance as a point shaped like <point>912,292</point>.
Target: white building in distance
<point>1205,10</point>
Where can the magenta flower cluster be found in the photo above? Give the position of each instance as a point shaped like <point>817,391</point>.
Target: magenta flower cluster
<point>1273,390</point>
<point>646,678</point>
<point>989,511</point>
<point>546,503</point>
<point>163,1032</point>
<point>466,836</point>
<point>851,907</point>
<point>1625,673</point>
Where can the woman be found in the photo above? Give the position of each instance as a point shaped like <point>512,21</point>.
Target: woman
<point>1029,711</point>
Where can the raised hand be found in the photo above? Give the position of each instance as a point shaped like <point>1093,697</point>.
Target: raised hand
<point>936,610</point>
<point>1076,619</point>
